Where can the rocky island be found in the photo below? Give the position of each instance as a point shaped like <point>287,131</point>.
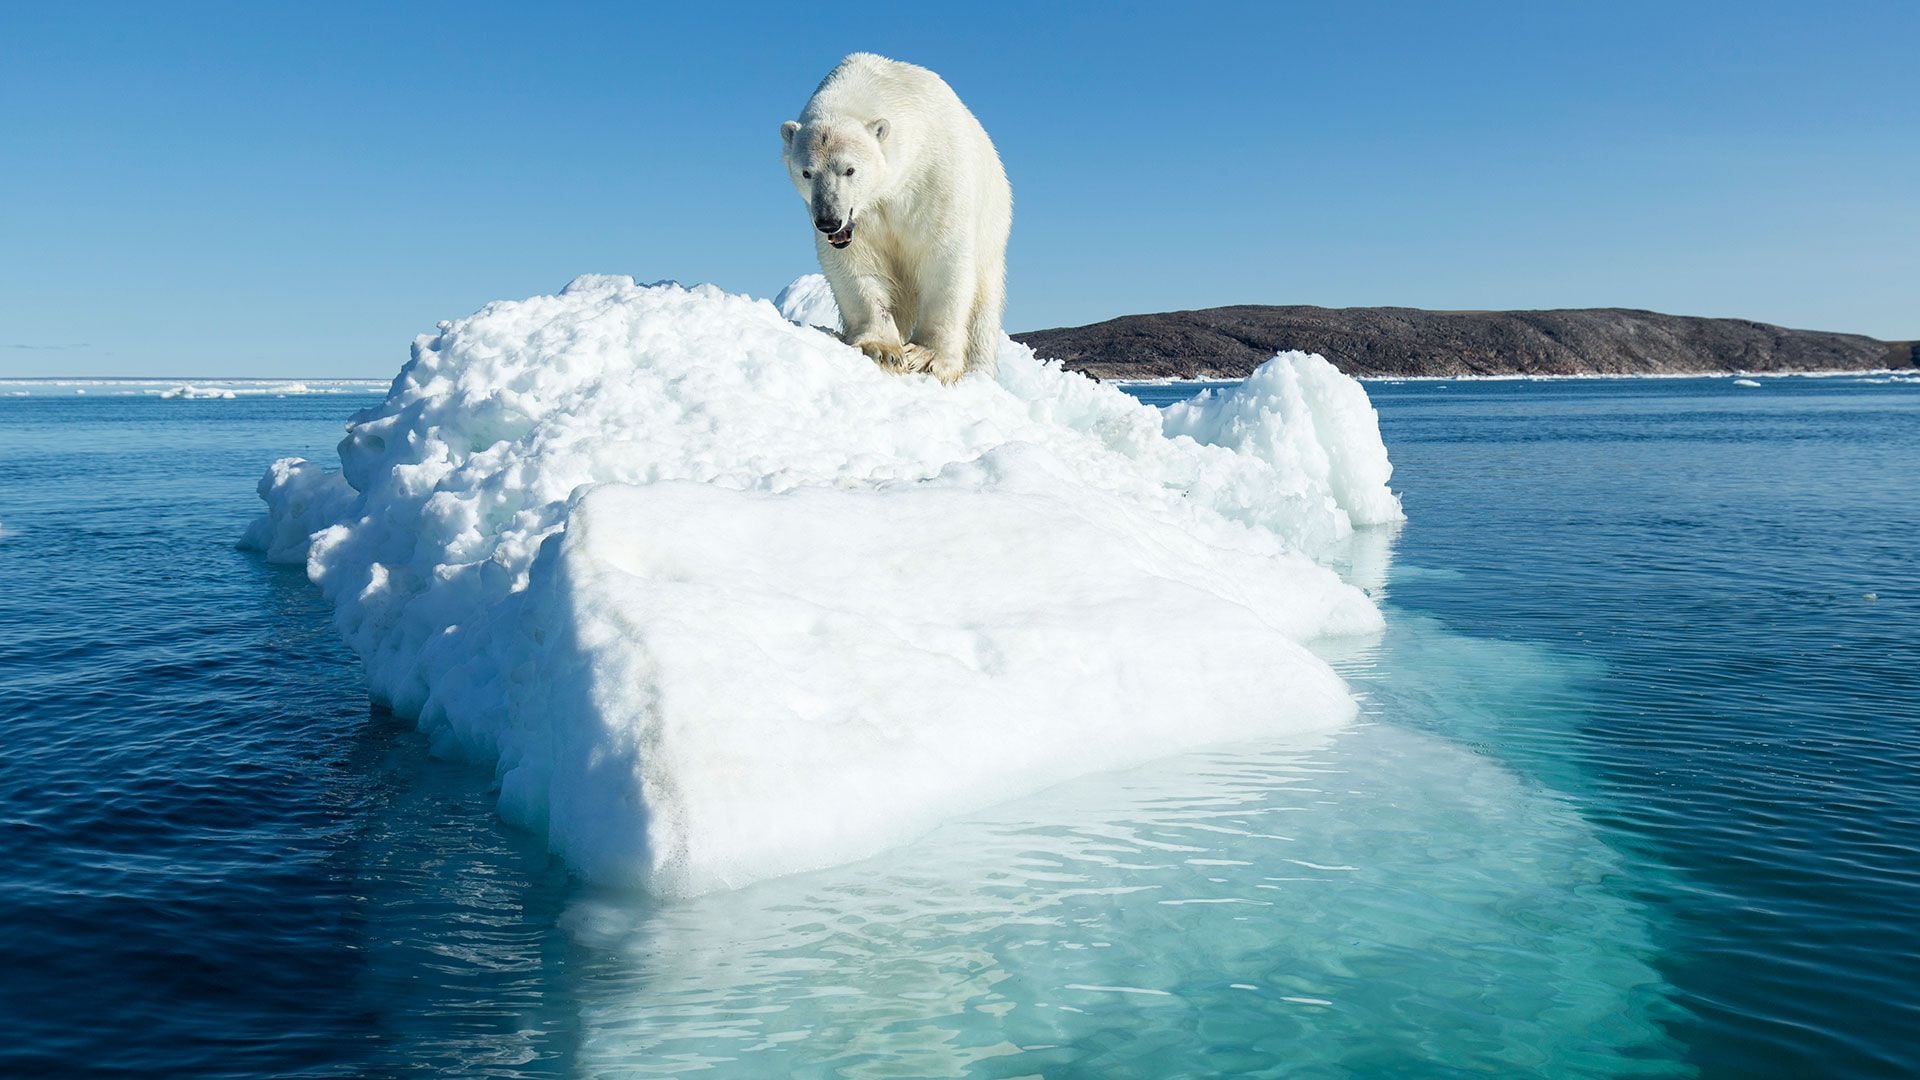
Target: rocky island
<point>1229,342</point>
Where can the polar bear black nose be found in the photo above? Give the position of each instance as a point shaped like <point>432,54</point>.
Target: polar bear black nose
<point>826,225</point>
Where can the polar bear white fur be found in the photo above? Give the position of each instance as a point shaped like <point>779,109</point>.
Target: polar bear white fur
<point>912,210</point>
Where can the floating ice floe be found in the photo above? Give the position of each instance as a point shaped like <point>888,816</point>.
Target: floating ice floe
<point>199,393</point>
<point>721,600</point>
<point>229,390</point>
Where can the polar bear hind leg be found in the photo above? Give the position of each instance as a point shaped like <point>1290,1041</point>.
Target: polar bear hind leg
<point>983,325</point>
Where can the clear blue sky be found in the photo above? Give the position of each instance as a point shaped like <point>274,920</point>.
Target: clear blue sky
<point>298,190</point>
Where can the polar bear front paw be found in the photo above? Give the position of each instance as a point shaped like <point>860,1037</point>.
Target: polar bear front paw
<point>887,354</point>
<point>947,369</point>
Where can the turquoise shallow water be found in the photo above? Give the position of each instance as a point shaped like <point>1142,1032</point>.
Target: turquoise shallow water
<point>1633,793</point>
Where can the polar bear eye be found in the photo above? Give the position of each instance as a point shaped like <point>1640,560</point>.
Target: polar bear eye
<point>806,174</point>
<point>849,170</point>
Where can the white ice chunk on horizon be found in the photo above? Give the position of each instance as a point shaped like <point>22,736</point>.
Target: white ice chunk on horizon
<point>720,600</point>
<point>199,393</point>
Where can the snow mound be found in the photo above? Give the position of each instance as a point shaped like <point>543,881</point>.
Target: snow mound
<point>304,498</point>
<point>721,600</point>
<point>809,302</point>
<point>1298,414</point>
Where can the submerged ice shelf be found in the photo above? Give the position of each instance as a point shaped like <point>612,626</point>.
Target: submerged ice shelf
<point>720,600</point>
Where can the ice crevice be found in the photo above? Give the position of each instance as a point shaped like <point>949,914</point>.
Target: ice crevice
<point>720,600</point>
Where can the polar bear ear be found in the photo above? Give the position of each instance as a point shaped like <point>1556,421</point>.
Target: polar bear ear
<point>787,130</point>
<point>879,129</point>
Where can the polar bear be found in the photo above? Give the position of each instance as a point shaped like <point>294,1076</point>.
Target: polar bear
<point>912,209</point>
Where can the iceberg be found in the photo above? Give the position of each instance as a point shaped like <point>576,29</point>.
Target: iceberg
<point>719,600</point>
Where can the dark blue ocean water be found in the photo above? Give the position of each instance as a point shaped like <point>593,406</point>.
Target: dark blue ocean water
<point>1635,794</point>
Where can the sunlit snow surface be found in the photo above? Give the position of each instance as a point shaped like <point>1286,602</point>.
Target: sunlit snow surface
<point>721,600</point>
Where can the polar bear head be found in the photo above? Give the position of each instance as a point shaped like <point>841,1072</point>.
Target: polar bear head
<point>838,166</point>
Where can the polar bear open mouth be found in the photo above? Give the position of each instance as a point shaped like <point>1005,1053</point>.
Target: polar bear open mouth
<point>843,237</point>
